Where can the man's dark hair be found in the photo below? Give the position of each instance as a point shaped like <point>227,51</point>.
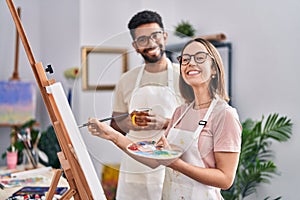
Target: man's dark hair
<point>144,17</point>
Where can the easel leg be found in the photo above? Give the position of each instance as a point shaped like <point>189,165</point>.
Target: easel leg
<point>68,195</point>
<point>54,183</point>
<point>66,166</point>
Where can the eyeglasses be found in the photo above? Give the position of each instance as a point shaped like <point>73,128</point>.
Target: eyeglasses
<point>144,40</point>
<point>199,57</point>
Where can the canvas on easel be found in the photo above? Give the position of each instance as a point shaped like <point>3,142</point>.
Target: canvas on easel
<point>78,168</point>
<point>56,90</point>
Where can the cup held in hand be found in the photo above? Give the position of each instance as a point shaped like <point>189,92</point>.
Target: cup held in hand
<point>139,116</point>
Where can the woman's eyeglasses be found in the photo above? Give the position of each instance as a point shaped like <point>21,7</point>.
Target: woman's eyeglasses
<point>144,40</point>
<point>199,57</point>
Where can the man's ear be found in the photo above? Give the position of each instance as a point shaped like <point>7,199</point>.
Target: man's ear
<point>135,47</point>
<point>165,37</point>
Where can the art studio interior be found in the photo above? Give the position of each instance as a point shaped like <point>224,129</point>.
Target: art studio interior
<point>80,49</point>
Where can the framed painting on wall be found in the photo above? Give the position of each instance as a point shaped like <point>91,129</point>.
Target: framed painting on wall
<point>17,102</point>
<point>102,67</point>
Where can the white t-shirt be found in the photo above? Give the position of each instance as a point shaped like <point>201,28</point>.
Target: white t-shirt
<point>126,84</point>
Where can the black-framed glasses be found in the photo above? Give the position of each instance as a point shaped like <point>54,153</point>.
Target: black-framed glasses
<point>199,57</point>
<point>144,40</point>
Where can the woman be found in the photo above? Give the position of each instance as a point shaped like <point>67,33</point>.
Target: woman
<point>206,128</point>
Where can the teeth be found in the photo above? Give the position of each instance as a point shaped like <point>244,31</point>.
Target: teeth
<point>193,72</point>
<point>153,50</point>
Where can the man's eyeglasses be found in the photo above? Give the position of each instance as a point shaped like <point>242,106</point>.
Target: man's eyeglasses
<point>144,40</point>
<point>199,57</point>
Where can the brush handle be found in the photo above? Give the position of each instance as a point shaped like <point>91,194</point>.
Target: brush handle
<point>105,119</point>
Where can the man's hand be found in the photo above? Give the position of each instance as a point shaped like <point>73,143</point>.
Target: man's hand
<point>145,120</point>
<point>157,122</point>
<point>138,122</point>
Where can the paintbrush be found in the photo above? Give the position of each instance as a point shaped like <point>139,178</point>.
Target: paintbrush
<point>28,149</point>
<point>105,119</point>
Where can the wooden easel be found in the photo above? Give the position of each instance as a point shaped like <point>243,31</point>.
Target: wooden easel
<point>15,75</point>
<point>79,188</point>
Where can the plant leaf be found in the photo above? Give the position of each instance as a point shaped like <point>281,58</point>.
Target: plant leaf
<point>255,166</point>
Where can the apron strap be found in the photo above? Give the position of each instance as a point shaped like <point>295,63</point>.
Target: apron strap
<point>182,115</point>
<point>139,77</point>
<point>170,75</point>
<point>203,122</point>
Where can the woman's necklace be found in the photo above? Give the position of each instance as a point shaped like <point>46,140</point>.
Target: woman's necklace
<point>202,105</point>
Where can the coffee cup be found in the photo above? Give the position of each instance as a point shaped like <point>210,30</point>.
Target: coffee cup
<point>139,116</point>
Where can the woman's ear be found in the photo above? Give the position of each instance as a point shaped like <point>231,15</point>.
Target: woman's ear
<point>213,68</point>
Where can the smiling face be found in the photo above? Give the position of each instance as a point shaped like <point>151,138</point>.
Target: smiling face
<point>194,73</point>
<point>154,49</point>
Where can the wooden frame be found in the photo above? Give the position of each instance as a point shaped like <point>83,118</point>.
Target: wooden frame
<point>102,67</point>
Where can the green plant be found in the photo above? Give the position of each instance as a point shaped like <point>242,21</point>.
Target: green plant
<point>185,29</point>
<point>255,164</point>
<point>48,143</point>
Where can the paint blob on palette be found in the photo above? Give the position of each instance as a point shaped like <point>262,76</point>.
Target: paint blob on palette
<point>149,149</point>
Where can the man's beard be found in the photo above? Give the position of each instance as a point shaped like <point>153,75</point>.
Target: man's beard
<point>153,59</point>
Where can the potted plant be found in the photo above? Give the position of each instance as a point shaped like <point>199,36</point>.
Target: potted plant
<point>11,157</point>
<point>255,165</point>
<point>185,29</point>
<point>45,144</point>
<point>50,146</point>
<point>18,145</point>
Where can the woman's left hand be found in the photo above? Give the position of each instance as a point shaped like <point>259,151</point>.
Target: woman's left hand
<point>163,143</point>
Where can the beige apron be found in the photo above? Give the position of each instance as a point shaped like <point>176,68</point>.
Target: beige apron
<point>177,186</point>
<point>136,179</point>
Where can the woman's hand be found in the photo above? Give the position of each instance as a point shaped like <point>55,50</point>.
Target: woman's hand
<point>163,144</point>
<point>101,129</point>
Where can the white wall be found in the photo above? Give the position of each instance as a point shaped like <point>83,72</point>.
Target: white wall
<point>265,36</point>
<point>30,18</point>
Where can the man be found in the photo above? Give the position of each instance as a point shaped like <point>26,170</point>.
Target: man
<point>153,85</point>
